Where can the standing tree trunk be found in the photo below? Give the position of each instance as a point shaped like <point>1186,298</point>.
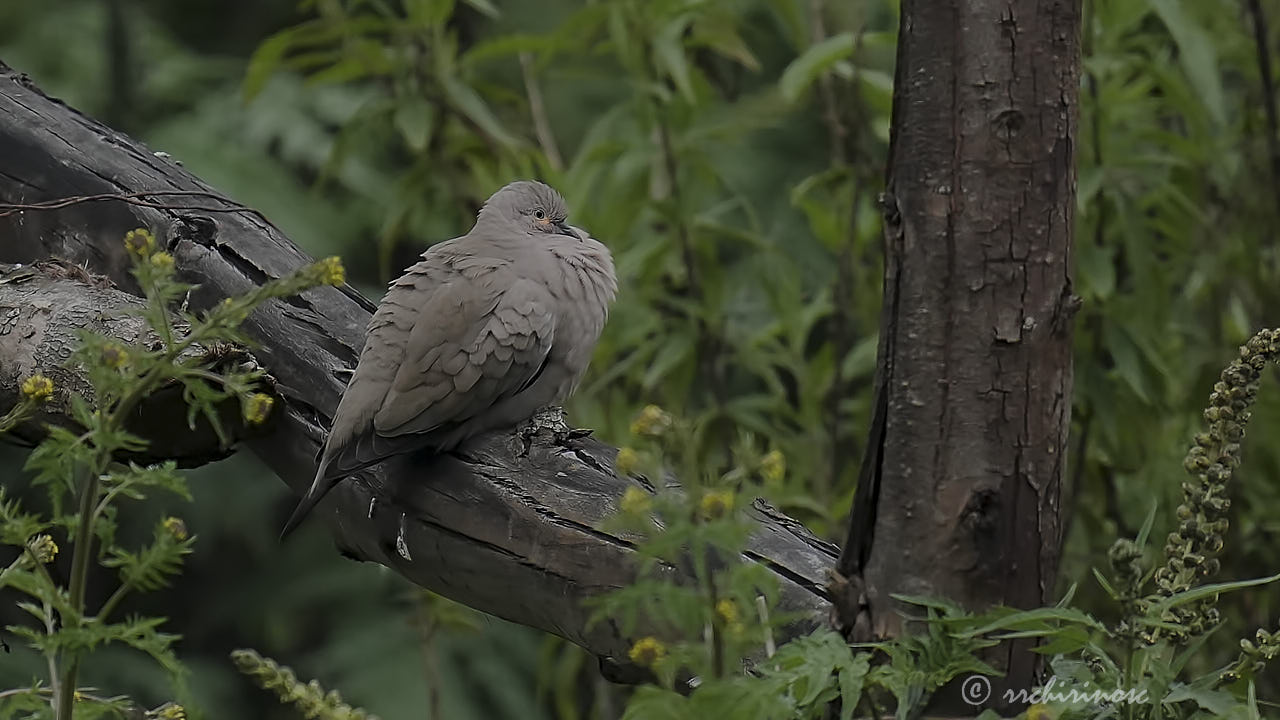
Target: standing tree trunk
<point>960,489</point>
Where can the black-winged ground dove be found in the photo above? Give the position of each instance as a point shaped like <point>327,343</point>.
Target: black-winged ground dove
<point>482,332</point>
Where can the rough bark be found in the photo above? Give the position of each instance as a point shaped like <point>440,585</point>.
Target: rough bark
<point>960,489</point>
<point>506,526</point>
<point>43,309</point>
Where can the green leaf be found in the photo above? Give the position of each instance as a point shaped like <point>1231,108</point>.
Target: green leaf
<point>817,677</point>
<point>1192,650</point>
<point>150,568</point>
<point>1197,54</point>
<point>655,702</point>
<point>804,70</point>
<point>485,7</point>
<point>1041,619</point>
<point>26,703</point>
<point>413,118</point>
<point>852,677</point>
<point>1128,361</point>
<point>1146,525</point>
<point>1065,641</point>
<point>1097,269</point>
<point>679,348</point>
<point>947,607</point>
<point>164,476</point>
<point>505,46</point>
<point>1218,702</point>
<point>668,50</point>
<point>1204,591</point>
<point>17,526</point>
<point>740,698</point>
<point>719,34</point>
<point>1068,596</point>
<point>437,12</point>
<point>266,59</point>
<point>469,102</point>
<point>1088,186</point>
<point>1106,584</point>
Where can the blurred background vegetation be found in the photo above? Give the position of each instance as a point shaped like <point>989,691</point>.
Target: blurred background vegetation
<point>730,152</point>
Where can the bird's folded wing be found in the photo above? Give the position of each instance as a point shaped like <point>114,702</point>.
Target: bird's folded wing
<point>471,347</point>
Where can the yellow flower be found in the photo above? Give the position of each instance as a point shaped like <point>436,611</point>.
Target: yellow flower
<point>626,461</point>
<point>258,408</point>
<point>773,466</point>
<point>716,503</point>
<point>162,261</point>
<point>44,548</point>
<point>37,387</point>
<point>331,271</point>
<point>140,242</point>
<point>169,711</point>
<point>175,527</point>
<point>652,421</point>
<point>635,501</point>
<point>647,651</point>
<point>114,356</point>
<point>728,611</point>
<point>1040,711</point>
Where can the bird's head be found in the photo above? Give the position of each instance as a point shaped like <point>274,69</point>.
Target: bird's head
<point>528,206</point>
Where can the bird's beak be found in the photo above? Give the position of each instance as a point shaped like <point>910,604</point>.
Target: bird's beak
<point>567,229</point>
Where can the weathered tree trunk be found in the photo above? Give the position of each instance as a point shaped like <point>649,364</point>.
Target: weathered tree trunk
<point>43,309</point>
<point>959,495</point>
<point>507,525</point>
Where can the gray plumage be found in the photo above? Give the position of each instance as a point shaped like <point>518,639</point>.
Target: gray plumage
<point>482,332</point>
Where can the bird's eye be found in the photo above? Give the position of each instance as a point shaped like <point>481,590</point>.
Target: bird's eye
<point>539,214</point>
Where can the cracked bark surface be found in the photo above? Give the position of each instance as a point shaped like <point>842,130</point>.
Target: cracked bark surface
<point>960,489</point>
<point>43,308</point>
<point>507,525</point>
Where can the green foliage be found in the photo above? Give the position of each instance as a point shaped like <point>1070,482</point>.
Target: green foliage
<point>1175,257</point>
<point>687,540</point>
<point>1161,629</point>
<point>690,221</point>
<point>1136,667</point>
<point>704,619</point>
<point>82,464</point>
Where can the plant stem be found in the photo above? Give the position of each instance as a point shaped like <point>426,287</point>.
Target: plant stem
<point>702,568</point>
<point>708,343</point>
<point>50,656</point>
<point>541,125</point>
<point>79,579</point>
<point>112,602</point>
<point>426,626</point>
<point>762,609</point>
<point>87,514</point>
<point>89,511</point>
<point>1268,87</point>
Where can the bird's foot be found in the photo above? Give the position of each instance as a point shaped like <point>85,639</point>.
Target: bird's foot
<point>550,419</point>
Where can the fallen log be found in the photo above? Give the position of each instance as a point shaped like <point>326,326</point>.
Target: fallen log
<point>507,525</point>
<point>43,310</point>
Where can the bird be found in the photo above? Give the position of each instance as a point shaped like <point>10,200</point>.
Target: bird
<point>478,335</point>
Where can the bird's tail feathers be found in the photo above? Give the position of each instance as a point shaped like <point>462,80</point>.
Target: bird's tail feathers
<point>320,486</point>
